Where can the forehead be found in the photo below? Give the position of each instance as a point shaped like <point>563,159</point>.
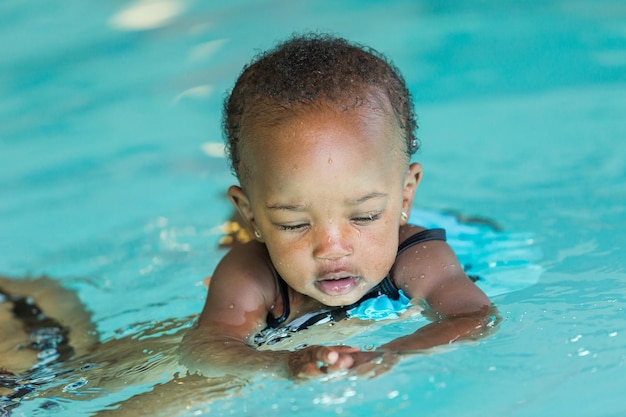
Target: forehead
<point>270,127</point>
<point>322,145</point>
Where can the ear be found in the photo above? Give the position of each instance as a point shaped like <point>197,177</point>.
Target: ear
<point>242,203</point>
<point>411,182</point>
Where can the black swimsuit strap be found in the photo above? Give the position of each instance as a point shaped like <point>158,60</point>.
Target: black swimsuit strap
<point>421,237</point>
<point>272,321</point>
<point>385,287</point>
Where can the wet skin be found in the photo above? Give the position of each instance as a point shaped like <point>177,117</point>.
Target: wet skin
<point>324,189</point>
<point>326,192</point>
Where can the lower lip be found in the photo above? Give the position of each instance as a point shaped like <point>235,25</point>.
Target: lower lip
<point>337,286</point>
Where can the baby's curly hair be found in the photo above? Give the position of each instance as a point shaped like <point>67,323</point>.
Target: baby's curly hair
<point>315,67</point>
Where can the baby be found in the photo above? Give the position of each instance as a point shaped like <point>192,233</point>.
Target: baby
<point>320,136</point>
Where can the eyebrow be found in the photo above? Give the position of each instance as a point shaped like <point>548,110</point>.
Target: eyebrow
<point>286,207</point>
<point>367,197</point>
<point>303,207</point>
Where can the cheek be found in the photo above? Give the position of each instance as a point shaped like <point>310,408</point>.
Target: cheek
<point>380,251</point>
<point>286,257</point>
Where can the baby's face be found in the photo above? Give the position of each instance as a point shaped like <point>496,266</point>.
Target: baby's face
<point>326,190</point>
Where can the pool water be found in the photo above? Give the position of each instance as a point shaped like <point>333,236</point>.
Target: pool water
<point>112,182</point>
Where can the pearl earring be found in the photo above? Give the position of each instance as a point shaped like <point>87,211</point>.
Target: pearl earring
<point>404,216</point>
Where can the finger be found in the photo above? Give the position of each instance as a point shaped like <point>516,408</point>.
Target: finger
<point>331,357</point>
<point>345,361</point>
<point>319,360</point>
<point>309,370</point>
<point>338,356</point>
<point>326,355</point>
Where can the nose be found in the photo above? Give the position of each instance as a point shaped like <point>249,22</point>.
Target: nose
<point>332,242</point>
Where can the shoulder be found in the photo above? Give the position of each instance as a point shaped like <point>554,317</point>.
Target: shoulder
<point>246,269</point>
<point>425,260</point>
<point>247,259</point>
<point>410,235</point>
<point>431,271</point>
<point>242,288</point>
<point>408,230</point>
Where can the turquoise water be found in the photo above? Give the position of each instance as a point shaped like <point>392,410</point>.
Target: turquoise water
<point>112,182</point>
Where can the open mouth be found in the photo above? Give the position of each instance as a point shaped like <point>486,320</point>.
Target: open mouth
<point>337,286</point>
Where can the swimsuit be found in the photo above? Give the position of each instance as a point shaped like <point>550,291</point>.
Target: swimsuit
<point>274,332</point>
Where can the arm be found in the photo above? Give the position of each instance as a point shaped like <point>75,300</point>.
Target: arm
<point>241,292</point>
<point>57,303</point>
<point>431,272</point>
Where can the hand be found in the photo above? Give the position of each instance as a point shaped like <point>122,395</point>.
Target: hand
<point>320,360</point>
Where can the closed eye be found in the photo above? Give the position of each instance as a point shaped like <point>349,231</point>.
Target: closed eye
<point>366,219</point>
<point>292,227</point>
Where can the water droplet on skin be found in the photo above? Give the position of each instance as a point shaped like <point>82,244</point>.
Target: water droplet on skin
<point>413,278</point>
<point>231,306</point>
<point>330,161</point>
<point>422,276</point>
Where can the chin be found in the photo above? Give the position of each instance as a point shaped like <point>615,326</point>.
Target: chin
<point>340,300</point>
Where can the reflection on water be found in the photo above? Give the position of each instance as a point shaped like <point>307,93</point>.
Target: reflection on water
<point>137,366</point>
<point>112,168</point>
<point>141,365</point>
<point>147,14</point>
